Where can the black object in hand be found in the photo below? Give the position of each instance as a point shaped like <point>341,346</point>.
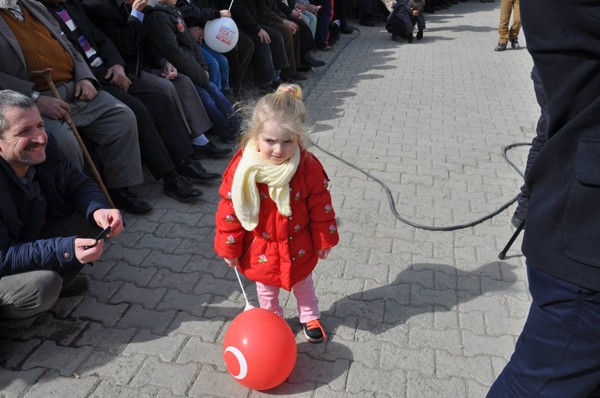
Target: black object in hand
<point>101,235</point>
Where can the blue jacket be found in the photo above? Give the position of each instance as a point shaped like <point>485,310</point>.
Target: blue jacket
<point>64,190</point>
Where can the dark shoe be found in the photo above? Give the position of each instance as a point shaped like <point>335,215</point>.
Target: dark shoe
<point>419,35</point>
<point>367,21</point>
<point>76,287</point>
<point>181,189</point>
<point>6,349</point>
<point>304,69</point>
<point>514,43</point>
<point>398,38</point>
<point>410,38</point>
<point>310,61</point>
<point>210,150</point>
<point>268,88</point>
<point>516,221</point>
<point>323,48</point>
<point>193,170</point>
<point>347,30</point>
<point>295,77</point>
<point>500,47</point>
<point>127,201</point>
<point>313,331</point>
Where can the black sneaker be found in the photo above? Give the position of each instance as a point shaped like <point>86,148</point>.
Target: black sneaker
<point>313,331</point>
<point>500,47</point>
<point>76,287</point>
<point>420,34</point>
<point>514,43</point>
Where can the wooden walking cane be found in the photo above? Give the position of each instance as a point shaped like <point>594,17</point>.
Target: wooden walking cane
<point>46,74</point>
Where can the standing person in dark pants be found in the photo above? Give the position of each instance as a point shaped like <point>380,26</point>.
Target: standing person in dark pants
<point>536,146</point>
<point>558,351</point>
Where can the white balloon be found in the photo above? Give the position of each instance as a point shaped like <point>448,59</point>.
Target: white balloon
<point>241,360</point>
<point>221,34</point>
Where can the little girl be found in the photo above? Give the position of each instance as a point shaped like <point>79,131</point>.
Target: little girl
<point>275,218</point>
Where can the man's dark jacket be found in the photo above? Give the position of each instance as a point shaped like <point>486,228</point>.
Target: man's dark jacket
<point>64,190</point>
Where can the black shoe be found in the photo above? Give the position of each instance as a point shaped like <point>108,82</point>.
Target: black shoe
<point>76,287</point>
<point>304,69</point>
<point>323,48</point>
<point>398,38</point>
<point>193,170</point>
<point>410,38</point>
<point>500,47</point>
<point>313,331</point>
<point>419,34</point>
<point>181,189</point>
<point>310,61</point>
<point>268,88</point>
<point>367,21</point>
<point>347,30</point>
<point>127,201</point>
<point>514,43</point>
<point>6,349</point>
<point>228,137</point>
<point>210,150</point>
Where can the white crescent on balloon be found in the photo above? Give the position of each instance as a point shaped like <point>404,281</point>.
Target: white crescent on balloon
<point>241,360</point>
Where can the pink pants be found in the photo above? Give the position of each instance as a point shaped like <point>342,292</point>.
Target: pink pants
<point>304,291</point>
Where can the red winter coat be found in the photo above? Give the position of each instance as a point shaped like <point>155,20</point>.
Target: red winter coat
<point>280,251</point>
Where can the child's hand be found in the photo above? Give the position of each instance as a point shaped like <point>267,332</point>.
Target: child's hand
<point>322,254</point>
<point>415,13</point>
<point>232,262</point>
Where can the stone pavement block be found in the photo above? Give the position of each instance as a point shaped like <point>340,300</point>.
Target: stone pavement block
<point>226,288</point>
<point>103,291</point>
<point>368,352</point>
<point>64,359</point>
<point>193,304</point>
<point>108,339</point>
<point>502,326</point>
<point>394,356</point>
<point>478,367</point>
<point>183,281</point>
<point>475,388</point>
<point>517,308</point>
<point>140,318</point>
<point>13,384</point>
<point>204,353</point>
<point>420,386</point>
<point>127,273</point>
<point>190,325</point>
<point>217,383</point>
<point>319,371</point>
<point>146,297</point>
<point>109,389</point>
<point>445,298</point>
<point>400,293</point>
<point>478,345</point>
<point>119,253</point>
<point>449,340</point>
<point>487,304</point>
<point>55,386</point>
<point>47,327</point>
<point>161,374</point>
<point>362,378</point>
<point>99,270</point>
<point>146,343</point>
<point>164,245</point>
<point>117,370</point>
<point>328,284</point>
<point>473,321</point>
<point>106,313</point>
<point>65,306</point>
<point>21,350</point>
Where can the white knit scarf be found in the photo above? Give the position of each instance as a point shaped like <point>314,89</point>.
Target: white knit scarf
<point>253,169</point>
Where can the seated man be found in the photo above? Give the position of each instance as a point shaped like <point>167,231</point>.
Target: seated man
<point>48,208</point>
<point>30,41</point>
<point>165,138</point>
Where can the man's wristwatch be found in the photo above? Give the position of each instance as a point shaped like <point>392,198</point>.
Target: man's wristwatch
<point>35,96</point>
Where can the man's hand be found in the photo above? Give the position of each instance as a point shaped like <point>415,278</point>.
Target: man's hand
<point>264,37</point>
<point>139,5</point>
<point>169,71</point>
<point>415,13</point>
<point>116,76</point>
<point>292,25</point>
<point>85,90</point>
<point>86,254</point>
<point>53,108</point>
<point>296,14</point>
<point>322,254</point>
<point>225,13</point>
<point>112,217</point>
<point>232,262</point>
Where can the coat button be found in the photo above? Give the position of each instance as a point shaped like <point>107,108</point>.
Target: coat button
<point>67,255</point>
<point>291,238</point>
<point>290,217</point>
<point>293,258</point>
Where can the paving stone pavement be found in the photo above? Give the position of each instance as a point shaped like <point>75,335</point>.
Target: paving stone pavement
<point>410,312</point>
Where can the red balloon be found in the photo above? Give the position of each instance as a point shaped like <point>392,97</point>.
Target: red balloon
<point>259,349</point>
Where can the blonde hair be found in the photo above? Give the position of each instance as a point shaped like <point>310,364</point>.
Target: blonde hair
<point>284,106</point>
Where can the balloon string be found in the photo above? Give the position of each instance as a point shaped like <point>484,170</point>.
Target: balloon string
<point>242,286</point>
<point>230,4</point>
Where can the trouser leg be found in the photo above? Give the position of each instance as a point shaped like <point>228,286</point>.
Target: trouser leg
<point>306,298</point>
<point>268,298</point>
